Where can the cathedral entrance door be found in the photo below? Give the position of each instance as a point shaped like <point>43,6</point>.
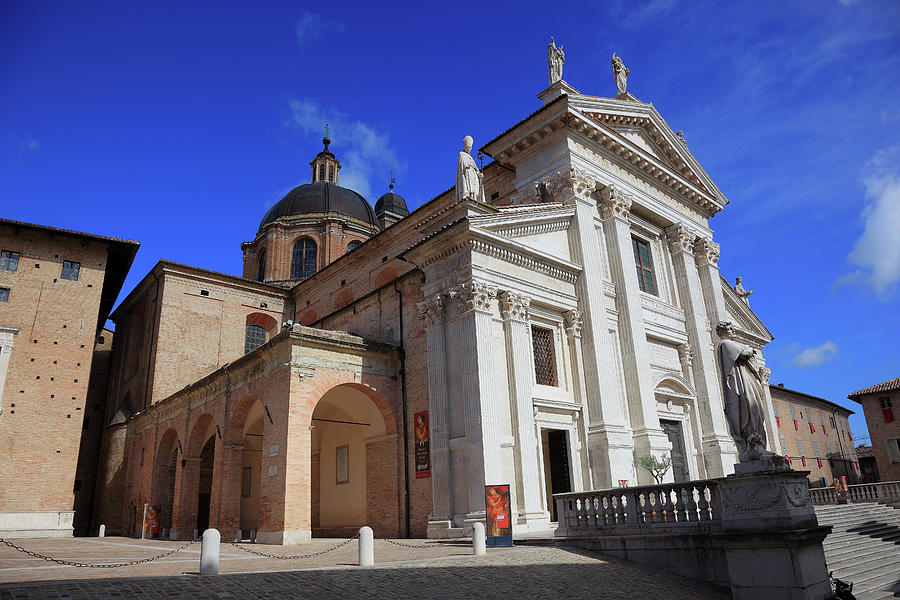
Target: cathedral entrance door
<point>555,448</point>
<point>679,459</point>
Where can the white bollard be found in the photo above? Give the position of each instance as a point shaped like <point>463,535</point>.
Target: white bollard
<point>102,531</point>
<point>209,552</point>
<point>479,542</point>
<point>366,547</point>
<point>252,536</point>
<point>195,535</point>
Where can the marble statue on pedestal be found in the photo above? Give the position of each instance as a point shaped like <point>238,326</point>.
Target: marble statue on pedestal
<point>740,291</point>
<point>743,394</point>
<point>555,59</point>
<point>469,179</point>
<point>620,73</point>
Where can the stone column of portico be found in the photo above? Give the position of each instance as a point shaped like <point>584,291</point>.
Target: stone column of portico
<point>649,439</point>
<point>184,511</point>
<point>718,447</point>
<point>609,437</point>
<point>225,498</point>
<point>514,310</point>
<point>477,301</point>
<point>432,311</point>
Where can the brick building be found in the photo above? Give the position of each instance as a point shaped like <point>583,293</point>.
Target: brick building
<point>57,288</point>
<point>879,403</point>
<point>815,435</point>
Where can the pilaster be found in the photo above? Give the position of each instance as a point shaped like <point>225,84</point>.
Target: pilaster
<point>718,449</point>
<point>609,436</point>
<point>649,438</point>
<point>7,338</point>
<point>514,311</point>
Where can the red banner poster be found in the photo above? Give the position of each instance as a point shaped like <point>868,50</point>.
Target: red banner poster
<point>498,518</point>
<point>151,521</point>
<point>423,445</point>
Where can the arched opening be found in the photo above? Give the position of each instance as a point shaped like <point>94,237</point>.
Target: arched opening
<point>303,259</point>
<point>164,472</point>
<point>261,266</point>
<point>353,465</point>
<point>204,491</point>
<point>251,463</point>
<point>353,246</point>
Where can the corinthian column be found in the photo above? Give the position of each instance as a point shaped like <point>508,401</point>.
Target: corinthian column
<point>477,302</point>
<point>718,447</point>
<point>609,437</point>
<point>649,438</point>
<point>432,311</point>
<point>514,310</point>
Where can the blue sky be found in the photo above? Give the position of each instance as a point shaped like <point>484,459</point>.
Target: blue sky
<point>179,124</point>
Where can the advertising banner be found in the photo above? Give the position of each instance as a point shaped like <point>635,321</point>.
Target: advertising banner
<point>498,519</point>
<point>152,513</point>
<point>423,445</point>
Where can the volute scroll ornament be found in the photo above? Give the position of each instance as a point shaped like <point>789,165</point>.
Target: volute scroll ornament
<point>686,354</point>
<point>513,306</point>
<point>681,239</point>
<point>614,203</point>
<point>574,321</point>
<point>431,310</point>
<point>473,295</point>
<point>562,186</point>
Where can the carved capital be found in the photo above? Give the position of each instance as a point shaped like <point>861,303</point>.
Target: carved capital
<point>765,373</point>
<point>514,307</point>
<point>432,310</point>
<point>680,238</point>
<point>686,354</point>
<point>614,203</point>
<point>574,322</point>
<point>473,295</point>
<point>530,195</point>
<point>706,252</point>
<point>563,186</point>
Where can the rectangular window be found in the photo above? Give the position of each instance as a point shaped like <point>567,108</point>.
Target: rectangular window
<point>833,426</point>
<point>9,260</point>
<point>784,451</point>
<point>800,447</point>
<point>70,270</point>
<point>643,262</point>
<point>822,420</point>
<point>775,408</point>
<point>894,450</point>
<point>887,409</point>
<point>793,413</point>
<point>4,294</point>
<point>342,464</point>
<point>544,367</point>
<point>816,448</point>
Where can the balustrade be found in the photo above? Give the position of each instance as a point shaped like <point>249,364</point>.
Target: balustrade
<point>862,492</point>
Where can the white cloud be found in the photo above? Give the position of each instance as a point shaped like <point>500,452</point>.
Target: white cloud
<point>813,357</point>
<point>311,26</point>
<point>877,251</point>
<point>365,152</point>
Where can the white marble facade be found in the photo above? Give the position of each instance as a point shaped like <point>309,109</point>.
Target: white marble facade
<point>591,175</point>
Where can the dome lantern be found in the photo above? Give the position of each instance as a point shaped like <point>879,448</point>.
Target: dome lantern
<point>325,167</point>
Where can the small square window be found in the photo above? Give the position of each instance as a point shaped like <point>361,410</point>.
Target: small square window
<point>544,360</point>
<point>9,260</point>
<point>885,403</point>
<point>4,294</point>
<point>70,270</point>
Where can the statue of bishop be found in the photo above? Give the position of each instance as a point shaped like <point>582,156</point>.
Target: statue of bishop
<point>469,179</point>
<point>742,388</point>
<point>555,59</point>
<point>620,73</point>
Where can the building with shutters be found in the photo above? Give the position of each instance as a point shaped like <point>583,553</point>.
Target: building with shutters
<point>879,403</point>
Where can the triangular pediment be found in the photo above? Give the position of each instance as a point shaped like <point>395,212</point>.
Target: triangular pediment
<point>542,227</point>
<point>741,315</point>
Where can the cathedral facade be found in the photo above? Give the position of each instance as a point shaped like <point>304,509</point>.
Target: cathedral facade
<point>378,367</point>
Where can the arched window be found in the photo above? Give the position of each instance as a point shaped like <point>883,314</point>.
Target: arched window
<point>330,172</point>
<point>321,172</point>
<point>303,259</point>
<point>353,245</point>
<point>261,270</point>
<point>254,337</point>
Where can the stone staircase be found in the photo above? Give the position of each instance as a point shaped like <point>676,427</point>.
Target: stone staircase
<point>864,547</point>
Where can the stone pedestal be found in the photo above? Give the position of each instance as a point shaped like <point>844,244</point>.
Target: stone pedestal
<point>770,535</point>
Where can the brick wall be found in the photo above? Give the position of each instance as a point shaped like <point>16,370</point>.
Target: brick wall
<point>881,431</point>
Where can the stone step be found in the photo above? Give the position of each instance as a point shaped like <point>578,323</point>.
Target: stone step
<point>879,594</point>
<point>882,533</point>
<point>858,566</point>
<point>839,554</point>
<point>882,583</point>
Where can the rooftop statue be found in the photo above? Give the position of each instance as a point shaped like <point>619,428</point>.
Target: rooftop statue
<point>742,390</point>
<point>740,291</point>
<point>620,73</point>
<point>469,179</point>
<point>555,59</point>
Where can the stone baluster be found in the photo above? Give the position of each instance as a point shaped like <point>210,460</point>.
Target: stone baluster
<point>691,503</point>
<point>680,508</point>
<point>670,506</point>
<point>620,510</point>
<point>703,503</point>
<point>715,503</point>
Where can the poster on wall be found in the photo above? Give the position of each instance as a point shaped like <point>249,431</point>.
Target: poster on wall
<point>423,446</point>
<point>152,513</point>
<point>498,522</point>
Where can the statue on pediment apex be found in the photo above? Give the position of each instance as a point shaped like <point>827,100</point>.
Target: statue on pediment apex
<point>555,59</point>
<point>620,73</point>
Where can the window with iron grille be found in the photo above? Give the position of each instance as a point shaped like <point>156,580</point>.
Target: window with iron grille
<point>9,260</point>
<point>793,413</point>
<point>775,408</point>
<point>261,266</point>
<point>544,367</point>
<point>303,259</point>
<point>643,262</point>
<point>816,448</point>
<point>800,447</point>
<point>70,270</point>
<point>254,337</point>
<point>784,451</point>
<point>4,294</point>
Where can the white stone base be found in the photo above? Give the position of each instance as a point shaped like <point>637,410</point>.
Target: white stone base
<point>36,524</point>
<point>297,536</point>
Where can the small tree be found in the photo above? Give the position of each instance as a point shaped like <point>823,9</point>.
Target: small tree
<point>657,466</point>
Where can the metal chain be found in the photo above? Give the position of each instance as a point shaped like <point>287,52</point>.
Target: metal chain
<point>298,556</point>
<point>431,546</point>
<point>90,565</point>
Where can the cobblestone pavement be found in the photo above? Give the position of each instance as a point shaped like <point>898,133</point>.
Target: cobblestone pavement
<point>449,572</point>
